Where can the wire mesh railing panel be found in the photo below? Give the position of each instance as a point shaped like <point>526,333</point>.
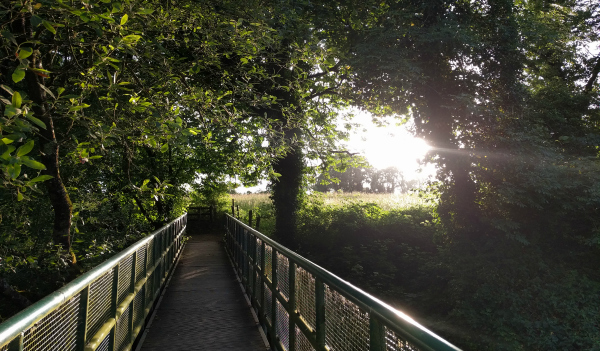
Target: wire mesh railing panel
<point>283,275</point>
<point>148,290</point>
<point>347,326</point>
<point>269,262</point>
<point>348,318</point>
<point>302,343</point>
<point>258,252</point>
<point>99,303</point>
<point>394,342</point>
<point>305,296</point>
<point>105,344</point>
<point>257,280</point>
<point>150,254</point>
<point>55,332</point>
<point>57,322</point>
<point>138,308</point>
<point>268,305</point>
<point>124,278</point>
<point>139,263</point>
<point>283,326</point>
<point>122,330</point>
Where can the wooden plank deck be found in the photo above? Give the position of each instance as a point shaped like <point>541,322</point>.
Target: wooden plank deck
<point>203,308</point>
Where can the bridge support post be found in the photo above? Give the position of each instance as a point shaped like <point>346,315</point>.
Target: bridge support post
<point>83,314</point>
<point>16,344</point>
<point>292,305</point>
<point>376,334</point>
<point>113,306</point>
<point>320,313</point>
<point>274,273</point>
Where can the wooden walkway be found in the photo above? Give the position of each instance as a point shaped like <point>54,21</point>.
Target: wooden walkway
<point>203,307</point>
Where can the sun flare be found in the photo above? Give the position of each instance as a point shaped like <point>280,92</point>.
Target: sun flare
<point>390,146</point>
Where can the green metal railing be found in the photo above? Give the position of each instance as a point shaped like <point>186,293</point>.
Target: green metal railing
<point>302,306</point>
<point>104,309</point>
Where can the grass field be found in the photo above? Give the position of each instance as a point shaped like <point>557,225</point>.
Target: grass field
<point>261,204</point>
<point>384,201</point>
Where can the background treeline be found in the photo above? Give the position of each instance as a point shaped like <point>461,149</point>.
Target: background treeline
<point>111,111</point>
<point>363,179</point>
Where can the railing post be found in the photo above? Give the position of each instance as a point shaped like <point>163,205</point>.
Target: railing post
<point>252,282</point>
<point>250,218</point>
<point>83,313</point>
<point>145,276</point>
<point>16,344</point>
<point>376,334</point>
<point>274,289</point>
<point>113,306</point>
<point>320,313</point>
<point>292,304</point>
<point>262,276</point>
<point>132,291</point>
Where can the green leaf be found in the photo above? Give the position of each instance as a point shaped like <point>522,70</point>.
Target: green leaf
<point>25,149</point>
<point>33,164</point>
<point>19,196</point>
<point>49,27</point>
<point>14,171</point>
<point>8,90</point>
<point>7,141</point>
<point>124,19</point>
<point>35,120</point>
<point>16,100</point>
<point>6,153</point>
<point>60,90</point>
<point>40,179</point>
<point>164,148</point>
<point>18,75</point>
<point>145,11</point>
<point>47,90</point>
<point>35,21</point>
<point>25,53</point>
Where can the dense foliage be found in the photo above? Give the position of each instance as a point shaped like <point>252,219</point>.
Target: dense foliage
<point>112,111</point>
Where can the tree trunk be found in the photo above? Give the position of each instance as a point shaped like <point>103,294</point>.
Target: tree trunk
<point>49,151</point>
<point>287,191</point>
<point>49,148</point>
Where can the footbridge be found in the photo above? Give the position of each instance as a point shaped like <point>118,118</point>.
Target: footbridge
<point>235,290</point>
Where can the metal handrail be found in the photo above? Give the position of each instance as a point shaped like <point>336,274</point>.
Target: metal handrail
<point>105,308</point>
<point>339,316</point>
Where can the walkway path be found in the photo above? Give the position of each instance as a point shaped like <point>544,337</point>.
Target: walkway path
<point>203,307</point>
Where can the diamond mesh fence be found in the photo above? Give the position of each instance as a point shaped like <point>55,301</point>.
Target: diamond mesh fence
<point>283,275</point>
<point>99,303</point>
<point>55,332</point>
<point>269,262</point>
<point>302,343</point>
<point>347,326</point>
<point>283,326</point>
<point>122,330</point>
<point>4,348</point>
<point>305,296</point>
<point>268,305</point>
<point>394,342</point>
<point>258,252</point>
